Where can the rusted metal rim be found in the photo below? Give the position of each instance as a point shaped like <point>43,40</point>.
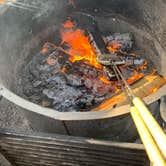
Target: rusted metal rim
<point>74,116</point>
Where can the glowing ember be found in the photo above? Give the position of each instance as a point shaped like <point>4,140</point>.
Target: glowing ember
<point>51,61</point>
<point>63,70</point>
<point>103,79</point>
<point>135,77</point>
<point>80,47</point>
<point>68,24</point>
<point>144,66</point>
<point>44,50</point>
<point>114,47</point>
<point>154,90</point>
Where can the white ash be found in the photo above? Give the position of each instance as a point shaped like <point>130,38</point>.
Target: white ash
<point>78,89</point>
<point>124,39</point>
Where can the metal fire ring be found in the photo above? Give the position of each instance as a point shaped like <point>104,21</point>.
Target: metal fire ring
<point>73,116</point>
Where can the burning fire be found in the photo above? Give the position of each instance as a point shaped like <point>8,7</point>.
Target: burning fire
<point>135,77</point>
<point>68,24</point>
<point>80,47</point>
<point>103,79</point>
<point>114,47</point>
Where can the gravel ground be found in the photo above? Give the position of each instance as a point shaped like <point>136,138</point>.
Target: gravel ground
<point>10,117</point>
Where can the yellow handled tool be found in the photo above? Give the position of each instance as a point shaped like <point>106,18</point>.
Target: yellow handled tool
<point>151,134</point>
<point>152,150</point>
<point>153,126</point>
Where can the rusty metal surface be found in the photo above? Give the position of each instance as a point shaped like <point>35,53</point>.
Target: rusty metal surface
<point>33,149</point>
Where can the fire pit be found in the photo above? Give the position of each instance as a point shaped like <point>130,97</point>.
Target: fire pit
<point>81,76</point>
<point>60,60</point>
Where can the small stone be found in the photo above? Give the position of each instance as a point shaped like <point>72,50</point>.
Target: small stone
<point>114,19</point>
<point>36,83</point>
<point>45,103</point>
<point>95,10</point>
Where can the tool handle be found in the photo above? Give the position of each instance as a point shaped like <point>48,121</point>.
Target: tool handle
<point>151,148</point>
<point>154,128</point>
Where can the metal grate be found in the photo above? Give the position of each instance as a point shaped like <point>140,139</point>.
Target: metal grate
<point>34,149</point>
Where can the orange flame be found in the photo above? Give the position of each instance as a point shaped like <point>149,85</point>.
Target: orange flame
<point>114,47</point>
<point>44,51</point>
<point>135,77</point>
<point>104,79</point>
<point>63,70</point>
<point>51,61</point>
<point>80,47</point>
<point>144,66</point>
<point>68,24</point>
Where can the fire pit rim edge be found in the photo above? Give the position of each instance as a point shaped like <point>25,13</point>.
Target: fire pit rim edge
<point>70,116</point>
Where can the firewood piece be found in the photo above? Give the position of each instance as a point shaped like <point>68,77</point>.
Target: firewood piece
<point>88,23</point>
<point>146,86</point>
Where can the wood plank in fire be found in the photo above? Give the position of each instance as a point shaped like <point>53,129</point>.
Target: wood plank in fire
<point>146,86</point>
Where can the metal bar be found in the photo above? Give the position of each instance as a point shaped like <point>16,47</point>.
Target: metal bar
<point>124,81</point>
<point>50,149</point>
<point>133,157</point>
<point>63,146</point>
<point>118,77</point>
<point>21,7</point>
<point>27,5</point>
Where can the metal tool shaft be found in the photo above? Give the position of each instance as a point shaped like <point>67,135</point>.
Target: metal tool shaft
<point>124,81</point>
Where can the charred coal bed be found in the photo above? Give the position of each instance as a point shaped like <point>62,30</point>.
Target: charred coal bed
<point>78,74</point>
<point>39,63</point>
